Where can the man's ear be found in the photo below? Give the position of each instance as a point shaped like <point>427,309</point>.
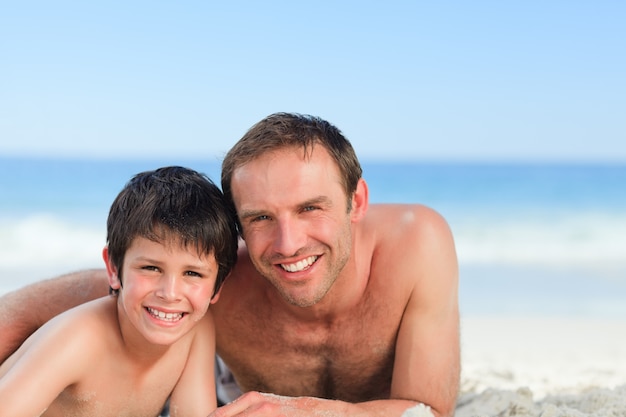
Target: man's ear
<point>360,201</point>
<point>114,281</point>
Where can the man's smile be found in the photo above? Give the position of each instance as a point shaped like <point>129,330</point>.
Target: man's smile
<point>300,265</point>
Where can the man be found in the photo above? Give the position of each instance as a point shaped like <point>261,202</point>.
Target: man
<point>334,306</point>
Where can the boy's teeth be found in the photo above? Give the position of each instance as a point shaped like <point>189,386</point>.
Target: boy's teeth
<point>300,265</point>
<point>165,316</point>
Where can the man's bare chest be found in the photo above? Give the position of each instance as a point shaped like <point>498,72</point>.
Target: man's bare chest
<point>349,359</point>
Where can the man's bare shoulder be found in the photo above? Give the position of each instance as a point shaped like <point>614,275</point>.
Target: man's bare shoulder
<point>397,221</point>
<point>411,241</point>
<point>244,287</point>
<point>243,273</point>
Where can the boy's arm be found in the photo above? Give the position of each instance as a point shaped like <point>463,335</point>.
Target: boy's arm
<point>194,394</point>
<point>52,359</point>
<point>25,310</point>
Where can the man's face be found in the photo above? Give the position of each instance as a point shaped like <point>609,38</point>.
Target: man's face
<point>295,221</point>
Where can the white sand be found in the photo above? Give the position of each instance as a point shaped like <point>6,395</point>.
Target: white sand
<point>543,367</point>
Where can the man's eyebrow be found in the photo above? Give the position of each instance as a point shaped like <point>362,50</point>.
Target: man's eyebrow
<point>247,214</point>
<point>320,200</point>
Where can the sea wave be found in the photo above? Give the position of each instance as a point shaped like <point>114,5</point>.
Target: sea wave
<point>497,257</point>
<point>573,240</point>
<point>44,238</point>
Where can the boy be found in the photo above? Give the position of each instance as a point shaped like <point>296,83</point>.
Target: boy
<point>171,241</point>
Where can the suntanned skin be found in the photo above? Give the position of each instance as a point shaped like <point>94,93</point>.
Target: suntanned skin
<point>383,338</point>
<point>111,357</point>
<point>386,330</point>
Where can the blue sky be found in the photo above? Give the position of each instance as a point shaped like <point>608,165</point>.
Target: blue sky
<point>497,80</point>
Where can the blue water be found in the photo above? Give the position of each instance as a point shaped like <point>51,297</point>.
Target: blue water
<point>545,239</point>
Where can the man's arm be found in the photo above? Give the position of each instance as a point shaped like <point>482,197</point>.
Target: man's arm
<point>25,310</point>
<point>427,361</point>
<point>256,404</point>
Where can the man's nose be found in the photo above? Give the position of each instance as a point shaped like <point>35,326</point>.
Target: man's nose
<point>289,238</point>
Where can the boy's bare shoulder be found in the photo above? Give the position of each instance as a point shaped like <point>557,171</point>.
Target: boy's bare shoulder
<point>90,327</point>
<point>93,316</point>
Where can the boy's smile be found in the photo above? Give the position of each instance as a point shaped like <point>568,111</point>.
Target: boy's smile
<point>161,315</point>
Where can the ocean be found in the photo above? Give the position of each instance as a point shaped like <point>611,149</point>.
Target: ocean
<point>532,238</point>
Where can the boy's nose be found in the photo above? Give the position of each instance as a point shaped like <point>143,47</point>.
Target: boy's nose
<point>169,287</point>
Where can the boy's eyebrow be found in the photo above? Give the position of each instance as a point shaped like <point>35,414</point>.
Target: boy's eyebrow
<point>201,265</point>
<point>144,258</point>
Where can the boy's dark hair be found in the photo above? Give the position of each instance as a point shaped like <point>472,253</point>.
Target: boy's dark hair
<point>292,130</point>
<point>173,202</point>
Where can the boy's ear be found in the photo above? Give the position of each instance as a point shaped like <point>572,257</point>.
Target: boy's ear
<point>360,201</point>
<point>216,296</point>
<point>114,281</point>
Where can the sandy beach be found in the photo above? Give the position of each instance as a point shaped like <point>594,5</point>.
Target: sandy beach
<point>543,367</point>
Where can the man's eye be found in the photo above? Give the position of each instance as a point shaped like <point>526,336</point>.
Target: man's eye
<point>309,208</point>
<point>260,218</point>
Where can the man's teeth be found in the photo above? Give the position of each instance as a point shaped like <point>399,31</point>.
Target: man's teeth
<point>300,265</point>
<point>165,316</point>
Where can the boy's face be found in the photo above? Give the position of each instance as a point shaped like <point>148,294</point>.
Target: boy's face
<point>166,289</point>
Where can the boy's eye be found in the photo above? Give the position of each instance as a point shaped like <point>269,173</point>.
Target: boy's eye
<point>150,268</point>
<point>193,274</point>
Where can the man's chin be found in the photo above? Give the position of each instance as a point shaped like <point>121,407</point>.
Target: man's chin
<point>299,299</point>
